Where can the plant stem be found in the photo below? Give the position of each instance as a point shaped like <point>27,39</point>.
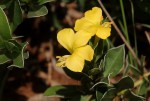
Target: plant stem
<point>120,33</point>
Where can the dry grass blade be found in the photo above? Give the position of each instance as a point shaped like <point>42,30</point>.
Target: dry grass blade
<point>148,36</point>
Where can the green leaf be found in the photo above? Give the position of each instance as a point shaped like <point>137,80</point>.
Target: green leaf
<point>73,75</point>
<point>82,4</point>
<point>124,83</point>
<point>41,2</point>
<point>109,95</point>
<point>5,3</point>
<point>135,70</point>
<point>5,32</point>
<point>14,51</point>
<point>19,60</point>
<point>101,88</point>
<point>10,50</point>
<point>143,88</point>
<point>99,95</point>
<point>26,55</point>
<point>86,84</point>
<point>56,21</point>
<point>98,50</point>
<point>3,59</point>
<point>86,98</point>
<point>37,11</point>
<point>25,1</point>
<point>94,71</point>
<point>86,81</point>
<point>106,79</point>
<point>142,64</point>
<point>114,60</point>
<point>146,25</point>
<point>3,6</point>
<point>15,13</point>
<point>62,91</point>
<point>100,85</point>
<point>67,1</point>
<point>81,98</point>
<point>132,97</point>
<point>101,65</point>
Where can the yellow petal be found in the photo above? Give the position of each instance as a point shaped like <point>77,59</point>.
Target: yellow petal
<point>103,32</point>
<point>86,52</point>
<point>81,38</point>
<point>83,24</point>
<point>66,38</point>
<point>94,15</point>
<point>75,63</point>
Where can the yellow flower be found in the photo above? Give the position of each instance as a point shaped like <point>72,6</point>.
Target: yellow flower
<point>92,23</point>
<point>76,44</point>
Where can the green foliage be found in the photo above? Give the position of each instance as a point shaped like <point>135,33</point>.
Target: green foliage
<point>11,50</point>
<point>62,91</point>
<point>124,83</point>
<point>97,75</point>
<point>114,60</point>
<point>109,64</point>
<point>143,88</point>
<point>130,96</point>
<point>135,70</point>
<point>109,95</point>
<point>5,32</point>
<point>3,59</point>
<point>67,1</point>
<point>97,80</point>
<point>15,13</point>
<point>98,95</point>
<point>37,11</point>
<point>41,2</point>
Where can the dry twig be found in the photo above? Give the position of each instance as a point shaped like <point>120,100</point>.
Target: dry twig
<point>148,36</point>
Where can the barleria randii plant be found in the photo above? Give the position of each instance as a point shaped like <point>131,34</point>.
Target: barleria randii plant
<point>96,64</point>
<point>103,71</point>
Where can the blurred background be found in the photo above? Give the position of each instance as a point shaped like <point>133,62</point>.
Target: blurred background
<point>40,72</point>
